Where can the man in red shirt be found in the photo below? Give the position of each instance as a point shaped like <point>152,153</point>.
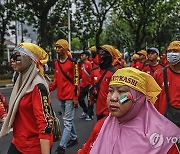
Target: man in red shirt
<point>134,60</point>
<point>142,59</point>
<point>163,60</point>
<point>168,102</point>
<point>153,65</point>
<point>101,77</point>
<point>64,82</point>
<point>85,81</point>
<point>173,79</point>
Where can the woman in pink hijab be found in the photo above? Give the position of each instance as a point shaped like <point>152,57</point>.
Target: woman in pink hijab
<point>134,126</point>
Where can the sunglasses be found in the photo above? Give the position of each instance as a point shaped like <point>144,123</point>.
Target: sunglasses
<point>14,58</point>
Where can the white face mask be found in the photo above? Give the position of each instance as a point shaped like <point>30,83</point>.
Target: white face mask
<point>173,58</point>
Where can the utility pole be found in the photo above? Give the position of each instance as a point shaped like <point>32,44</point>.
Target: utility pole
<point>69,25</point>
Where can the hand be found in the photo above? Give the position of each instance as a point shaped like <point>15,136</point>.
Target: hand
<point>75,103</point>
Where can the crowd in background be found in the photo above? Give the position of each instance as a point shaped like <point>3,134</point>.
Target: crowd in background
<point>88,82</point>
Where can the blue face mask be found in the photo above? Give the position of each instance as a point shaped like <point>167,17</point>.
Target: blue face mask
<point>173,58</point>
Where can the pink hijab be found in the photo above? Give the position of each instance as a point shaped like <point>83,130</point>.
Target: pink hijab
<point>142,130</point>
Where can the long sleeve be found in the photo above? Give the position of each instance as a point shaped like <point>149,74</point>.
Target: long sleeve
<point>42,111</point>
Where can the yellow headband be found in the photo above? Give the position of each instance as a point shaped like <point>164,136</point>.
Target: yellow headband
<point>109,49</point>
<point>63,43</point>
<point>137,80</point>
<point>35,52</point>
<point>143,52</point>
<point>135,56</point>
<point>93,49</point>
<point>175,45</point>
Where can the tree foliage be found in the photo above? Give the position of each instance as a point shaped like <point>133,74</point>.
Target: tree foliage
<point>38,13</point>
<point>118,34</point>
<point>6,15</point>
<point>90,18</point>
<point>145,17</point>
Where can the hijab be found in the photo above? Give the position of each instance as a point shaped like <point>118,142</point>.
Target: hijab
<point>32,57</point>
<point>141,130</point>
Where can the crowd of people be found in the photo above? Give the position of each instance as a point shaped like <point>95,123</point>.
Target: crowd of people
<point>140,101</point>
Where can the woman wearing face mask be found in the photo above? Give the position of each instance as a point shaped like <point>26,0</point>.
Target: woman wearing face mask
<point>29,107</point>
<point>134,126</point>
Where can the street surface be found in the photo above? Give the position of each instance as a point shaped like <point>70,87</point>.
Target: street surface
<point>83,127</point>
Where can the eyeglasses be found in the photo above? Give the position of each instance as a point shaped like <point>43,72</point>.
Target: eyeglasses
<point>58,47</point>
<point>14,58</point>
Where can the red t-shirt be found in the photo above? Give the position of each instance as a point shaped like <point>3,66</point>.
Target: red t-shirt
<point>65,89</point>
<point>92,138</point>
<point>85,74</point>
<point>32,123</point>
<point>3,106</point>
<point>2,110</point>
<point>173,88</point>
<point>94,61</point>
<point>4,102</point>
<point>101,106</point>
<point>164,62</point>
<point>133,64</point>
<point>139,65</point>
<point>151,69</point>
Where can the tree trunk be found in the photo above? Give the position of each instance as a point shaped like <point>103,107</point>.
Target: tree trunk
<point>43,32</point>
<point>2,46</point>
<point>98,36</point>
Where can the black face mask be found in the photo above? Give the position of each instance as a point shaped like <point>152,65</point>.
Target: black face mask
<point>106,59</point>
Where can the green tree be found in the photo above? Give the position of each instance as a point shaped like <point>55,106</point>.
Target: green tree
<point>169,30</point>
<point>91,17</point>
<point>37,13</point>
<point>144,17</point>
<point>119,34</point>
<point>6,16</point>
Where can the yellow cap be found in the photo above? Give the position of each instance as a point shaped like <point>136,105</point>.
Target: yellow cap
<point>175,45</point>
<point>109,49</point>
<point>135,56</point>
<point>93,49</point>
<point>143,52</point>
<point>41,57</point>
<point>137,80</point>
<point>63,43</point>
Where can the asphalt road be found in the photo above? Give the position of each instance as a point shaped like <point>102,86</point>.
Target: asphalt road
<point>83,127</point>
